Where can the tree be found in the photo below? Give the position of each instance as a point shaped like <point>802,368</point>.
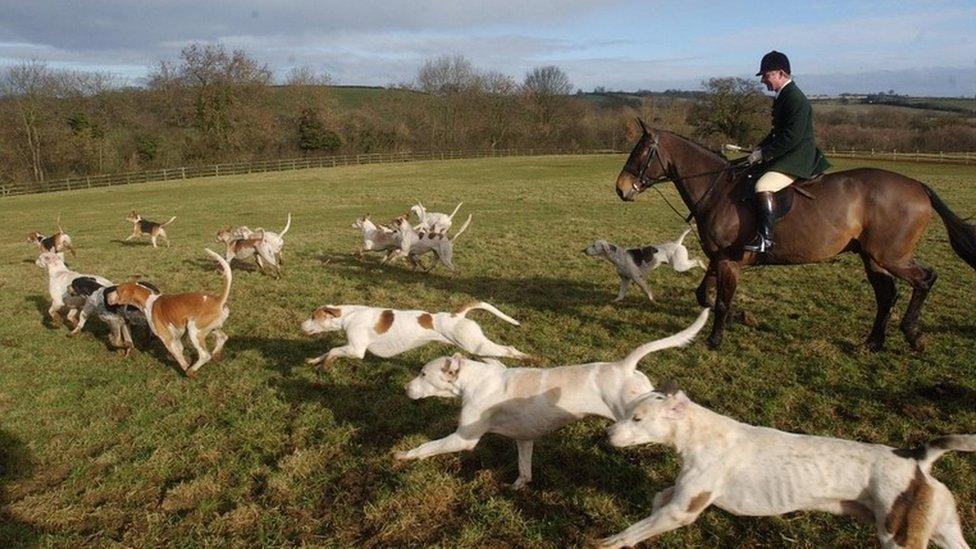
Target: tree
<point>733,109</point>
<point>306,76</point>
<point>32,89</point>
<point>546,89</point>
<point>228,94</point>
<point>446,74</point>
<point>313,135</point>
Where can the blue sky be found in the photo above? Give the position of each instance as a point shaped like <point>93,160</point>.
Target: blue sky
<point>922,48</point>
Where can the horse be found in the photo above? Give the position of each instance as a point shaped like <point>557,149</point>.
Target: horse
<point>878,214</point>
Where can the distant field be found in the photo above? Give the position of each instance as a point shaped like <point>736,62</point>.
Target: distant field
<point>262,450</point>
<point>351,97</point>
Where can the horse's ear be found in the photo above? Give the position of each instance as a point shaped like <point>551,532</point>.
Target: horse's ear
<point>643,127</point>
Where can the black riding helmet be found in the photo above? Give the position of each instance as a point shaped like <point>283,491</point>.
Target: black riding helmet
<point>772,61</point>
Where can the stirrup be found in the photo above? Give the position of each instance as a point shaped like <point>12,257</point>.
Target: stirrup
<point>759,245</point>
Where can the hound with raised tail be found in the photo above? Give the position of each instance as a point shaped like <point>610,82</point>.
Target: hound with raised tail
<point>142,226</point>
<point>172,316</point>
<point>376,238</point>
<point>433,221</point>
<point>256,246</point>
<point>59,282</point>
<point>757,471</point>
<point>527,403</point>
<point>57,242</point>
<point>275,240</point>
<point>633,264</point>
<point>414,244</point>
<point>389,332</point>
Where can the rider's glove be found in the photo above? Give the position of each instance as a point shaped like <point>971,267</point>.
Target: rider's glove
<point>755,156</point>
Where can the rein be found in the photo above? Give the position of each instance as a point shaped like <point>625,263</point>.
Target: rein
<point>642,182</point>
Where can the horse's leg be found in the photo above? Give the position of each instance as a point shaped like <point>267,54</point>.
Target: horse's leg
<point>727,277</point>
<point>703,293</point>
<point>922,279</point>
<point>885,294</point>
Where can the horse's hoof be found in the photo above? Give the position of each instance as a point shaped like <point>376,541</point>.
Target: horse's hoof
<point>918,343</point>
<point>714,342</point>
<point>874,345</point>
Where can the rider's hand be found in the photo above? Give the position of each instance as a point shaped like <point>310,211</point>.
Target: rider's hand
<point>755,156</point>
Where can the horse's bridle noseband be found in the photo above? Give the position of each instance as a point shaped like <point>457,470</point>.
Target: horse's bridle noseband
<point>642,182</point>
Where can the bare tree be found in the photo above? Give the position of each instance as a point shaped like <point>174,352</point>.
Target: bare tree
<point>546,89</point>
<point>735,109</point>
<point>307,76</point>
<point>229,92</point>
<point>32,88</point>
<point>446,74</point>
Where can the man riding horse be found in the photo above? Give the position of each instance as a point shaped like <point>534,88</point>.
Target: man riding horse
<point>877,214</point>
<point>789,151</point>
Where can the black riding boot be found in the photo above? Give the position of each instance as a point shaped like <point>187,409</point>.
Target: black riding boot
<point>767,207</point>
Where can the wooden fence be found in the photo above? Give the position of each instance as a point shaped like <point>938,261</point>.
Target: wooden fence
<point>261,166</point>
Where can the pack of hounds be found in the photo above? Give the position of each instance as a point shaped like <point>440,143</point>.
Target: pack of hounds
<point>743,469</point>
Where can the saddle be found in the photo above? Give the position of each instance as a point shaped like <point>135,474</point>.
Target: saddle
<point>784,196</point>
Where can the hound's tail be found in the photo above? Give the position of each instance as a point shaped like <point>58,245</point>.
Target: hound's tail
<point>228,276</point>
<point>485,307</point>
<point>60,230</point>
<point>168,222</point>
<point>684,234</point>
<point>456,208</point>
<point>463,227</point>
<point>287,226</point>
<point>677,340</point>
<point>934,449</point>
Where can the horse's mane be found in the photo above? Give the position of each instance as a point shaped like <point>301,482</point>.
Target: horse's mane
<point>700,146</point>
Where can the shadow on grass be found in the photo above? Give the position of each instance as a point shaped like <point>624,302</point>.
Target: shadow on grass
<point>924,401</point>
<point>15,463</point>
<point>538,292</point>
<point>132,242</point>
<point>41,303</point>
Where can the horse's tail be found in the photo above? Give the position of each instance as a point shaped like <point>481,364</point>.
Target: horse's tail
<point>962,235</point>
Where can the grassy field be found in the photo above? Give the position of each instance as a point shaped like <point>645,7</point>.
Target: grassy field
<point>262,449</point>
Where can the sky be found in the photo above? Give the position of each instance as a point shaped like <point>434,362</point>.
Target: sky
<point>916,48</point>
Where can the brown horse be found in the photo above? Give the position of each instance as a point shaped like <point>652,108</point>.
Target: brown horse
<point>877,214</point>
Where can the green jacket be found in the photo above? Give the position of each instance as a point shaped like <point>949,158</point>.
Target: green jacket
<point>789,148</point>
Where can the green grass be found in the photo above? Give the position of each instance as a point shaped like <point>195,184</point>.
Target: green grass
<point>261,449</point>
<point>352,97</point>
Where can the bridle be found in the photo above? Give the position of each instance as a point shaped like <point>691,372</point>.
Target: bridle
<point>641,181</point>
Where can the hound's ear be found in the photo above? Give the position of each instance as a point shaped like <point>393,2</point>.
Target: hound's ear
<point>610,248</point>
<point>452,365</point>
<point>642,126</point>
<point>677,406</point>
<point>669,388</point>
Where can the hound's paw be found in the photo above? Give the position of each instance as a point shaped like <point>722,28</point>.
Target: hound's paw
<point>520,484</point>
<point>610,542</point>
<point>312,361</point>
<point>402,456</point>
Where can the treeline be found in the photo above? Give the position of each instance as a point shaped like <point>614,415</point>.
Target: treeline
<point>213,105</point>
